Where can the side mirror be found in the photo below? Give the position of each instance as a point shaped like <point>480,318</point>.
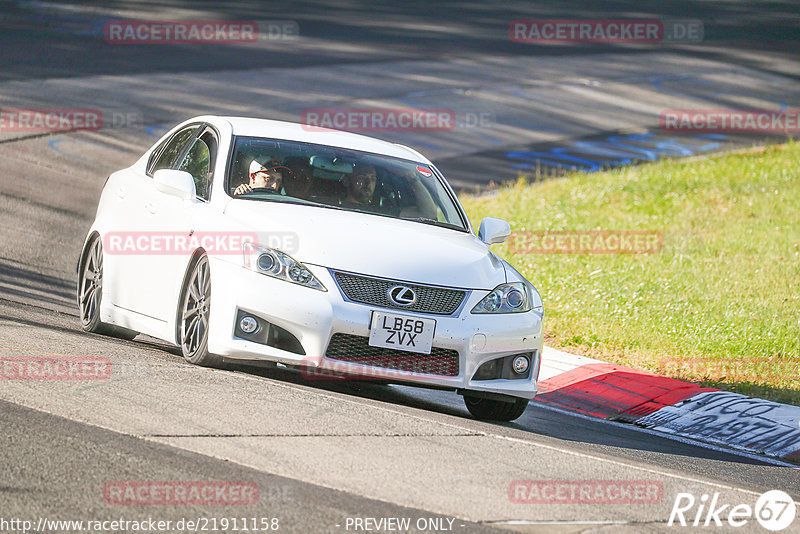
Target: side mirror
<point>176,183</point>
<point>493,230</point>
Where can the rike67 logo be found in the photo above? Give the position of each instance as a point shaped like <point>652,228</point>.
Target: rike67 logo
<point>774,510</point>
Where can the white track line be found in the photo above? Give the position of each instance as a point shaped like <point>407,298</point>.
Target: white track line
<point>382,406</point>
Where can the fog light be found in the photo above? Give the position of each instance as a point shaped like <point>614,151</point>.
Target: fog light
<point>248,325</point>
<point>520,364</point>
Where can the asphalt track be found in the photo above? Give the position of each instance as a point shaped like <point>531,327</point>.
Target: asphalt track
<point>319,452</point>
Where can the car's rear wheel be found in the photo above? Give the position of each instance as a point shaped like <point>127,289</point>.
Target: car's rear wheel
<point>90,293</point>
<point>193,316</point>
<point>495,410</point>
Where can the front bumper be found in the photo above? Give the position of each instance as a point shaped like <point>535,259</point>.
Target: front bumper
<point>313,317</point>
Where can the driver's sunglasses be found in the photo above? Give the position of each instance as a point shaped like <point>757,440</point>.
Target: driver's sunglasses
<point>271,178</point>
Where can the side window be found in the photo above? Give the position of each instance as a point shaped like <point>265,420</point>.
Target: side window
<point>172,150</point>
<point>198,163</point>
<point>210,139</point>
<point>154,155</point>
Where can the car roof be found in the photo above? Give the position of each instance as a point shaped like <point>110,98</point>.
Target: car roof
<point>292,131</point>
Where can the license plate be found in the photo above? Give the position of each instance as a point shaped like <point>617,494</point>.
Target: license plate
<point>401,332</point>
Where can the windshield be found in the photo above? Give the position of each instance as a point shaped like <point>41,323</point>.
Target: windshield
<point>291,171</point>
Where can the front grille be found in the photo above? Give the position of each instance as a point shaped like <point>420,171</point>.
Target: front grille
<point>356,349</point>
<point>374,291</point>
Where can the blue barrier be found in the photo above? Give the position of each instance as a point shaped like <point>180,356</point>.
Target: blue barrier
<point>613,151</point>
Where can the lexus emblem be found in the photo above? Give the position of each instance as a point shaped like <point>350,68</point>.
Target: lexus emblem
<point>402,295</point>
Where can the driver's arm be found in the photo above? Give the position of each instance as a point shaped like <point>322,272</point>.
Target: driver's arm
<point>244,188</point>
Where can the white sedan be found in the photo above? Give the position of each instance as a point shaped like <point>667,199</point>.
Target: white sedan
<point>243,239</point>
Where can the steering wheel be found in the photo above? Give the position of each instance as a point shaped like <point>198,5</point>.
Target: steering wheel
<point>264,190</point>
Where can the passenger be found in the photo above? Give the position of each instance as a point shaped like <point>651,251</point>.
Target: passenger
<point>423,204</point>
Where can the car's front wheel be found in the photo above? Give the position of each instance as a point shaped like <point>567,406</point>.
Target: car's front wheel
<point>495,410</point>
<point>193,316</point>
<point>90,293</point>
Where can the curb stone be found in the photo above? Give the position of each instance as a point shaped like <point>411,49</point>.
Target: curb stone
<point>618,393</point>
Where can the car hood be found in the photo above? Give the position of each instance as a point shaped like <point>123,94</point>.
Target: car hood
<point>372,245</point>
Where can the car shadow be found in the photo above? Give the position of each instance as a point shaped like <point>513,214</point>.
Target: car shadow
<point>538,419</point>
<point>24,283</point>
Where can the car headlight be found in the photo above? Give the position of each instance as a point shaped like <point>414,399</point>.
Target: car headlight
<point>277,264</point>
<point>506,298</point>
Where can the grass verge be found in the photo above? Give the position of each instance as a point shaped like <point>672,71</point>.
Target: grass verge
<point>718,305</point>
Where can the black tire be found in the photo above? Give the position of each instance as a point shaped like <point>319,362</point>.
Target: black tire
<point>193,313</point>
<point>495,410</point>
<point>90,293</point>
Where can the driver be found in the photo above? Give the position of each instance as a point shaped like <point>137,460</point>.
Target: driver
<point>361,184</point>
<point>262,177</point>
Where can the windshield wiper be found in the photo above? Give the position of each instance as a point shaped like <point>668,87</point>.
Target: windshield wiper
<point>432,222</point>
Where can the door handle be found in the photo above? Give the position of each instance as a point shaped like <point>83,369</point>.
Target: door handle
<point>150,207</point>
